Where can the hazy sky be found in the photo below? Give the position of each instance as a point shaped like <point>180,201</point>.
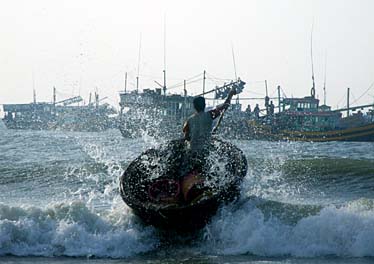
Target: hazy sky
<point>82,45</point>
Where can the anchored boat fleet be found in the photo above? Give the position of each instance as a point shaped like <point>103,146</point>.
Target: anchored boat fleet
<point>154,112</point>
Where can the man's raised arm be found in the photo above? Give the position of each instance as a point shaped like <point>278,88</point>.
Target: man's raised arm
<point>220,108</point>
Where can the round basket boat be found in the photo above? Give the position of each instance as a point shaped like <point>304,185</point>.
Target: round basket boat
<point>172,188</point>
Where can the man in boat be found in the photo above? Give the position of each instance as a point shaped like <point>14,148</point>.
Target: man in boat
<point>271,108</point>
<point>198,127</point>
<point>198,131</point>
<point>256,112</point>
<point>267,99</point>
<point>248,111</point>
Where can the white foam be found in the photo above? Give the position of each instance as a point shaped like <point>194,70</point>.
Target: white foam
<point>71,229</point>
<point>345,231</point>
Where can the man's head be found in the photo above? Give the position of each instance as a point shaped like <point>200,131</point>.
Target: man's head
<point>199,104</point>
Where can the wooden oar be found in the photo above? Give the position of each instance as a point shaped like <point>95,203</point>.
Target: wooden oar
<point>224,111</point>
<point>219,122</point>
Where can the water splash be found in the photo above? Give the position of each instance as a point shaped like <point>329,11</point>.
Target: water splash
<point>346,231</point>
<point>72,229</point>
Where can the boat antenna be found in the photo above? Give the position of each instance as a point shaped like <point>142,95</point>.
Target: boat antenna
<point>313,90</point>
<point>137,77</point>
<point>164,71</point>
<point>233,60</point>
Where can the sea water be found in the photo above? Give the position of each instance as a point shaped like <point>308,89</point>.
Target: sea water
<point>300,203</point>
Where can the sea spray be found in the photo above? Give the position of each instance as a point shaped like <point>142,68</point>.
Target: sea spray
<point>345,231</point>
<point>71,229</point>
<point>298,199</point>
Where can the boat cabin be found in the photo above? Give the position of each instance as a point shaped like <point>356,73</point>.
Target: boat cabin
<point>305,114</point>
<point>152,102</point>
<point>34,115</point>
<point>308,103</point>
<point>58,115</point>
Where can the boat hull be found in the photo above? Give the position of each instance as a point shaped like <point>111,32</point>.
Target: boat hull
<point>192,189</point>
<point>364,133</point>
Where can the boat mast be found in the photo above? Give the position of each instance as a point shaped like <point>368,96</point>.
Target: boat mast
<point>54,96</point>
<point>164,86</point>
<point>137,77</point>
<point>184,88</point>
<point>185,99</point>
<point>164,71</point>
<point>236,76</point>
<point>33,87</point>
<point>233,60</point>
<point>279,98</point>
<point>313,90</point>
<point>97,98</point>
<point>348,101</point>
<point>125,82</point>
<point>324,84</point>
<point>266,87</point>
<point>267,99</point>
<point>204,77</point>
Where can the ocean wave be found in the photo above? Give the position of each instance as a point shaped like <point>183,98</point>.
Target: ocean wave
<point>346,231</point>
<point>314,179</point>
<point>72,229</point>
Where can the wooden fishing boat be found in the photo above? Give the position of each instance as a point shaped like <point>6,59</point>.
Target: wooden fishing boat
<point>302,119</point>
<point>360,133</point>
<point>171,188</point>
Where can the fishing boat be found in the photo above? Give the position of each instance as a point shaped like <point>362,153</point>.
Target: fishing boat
<point>152,113</point>
<point>170,188</point>
<point>155,113</point>
<point>66,115</point>
<point>303,119</point>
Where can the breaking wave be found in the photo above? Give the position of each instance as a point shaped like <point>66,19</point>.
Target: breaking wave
<point>71,229</point>
<point>61,198</point>
<point>257,227</point>
<point>346,231</point>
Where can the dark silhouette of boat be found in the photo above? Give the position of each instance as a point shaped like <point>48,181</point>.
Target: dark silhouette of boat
<point>61,115</point>
<point>162,115</point>
<point>171,188</point>
<point>303,119</point>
